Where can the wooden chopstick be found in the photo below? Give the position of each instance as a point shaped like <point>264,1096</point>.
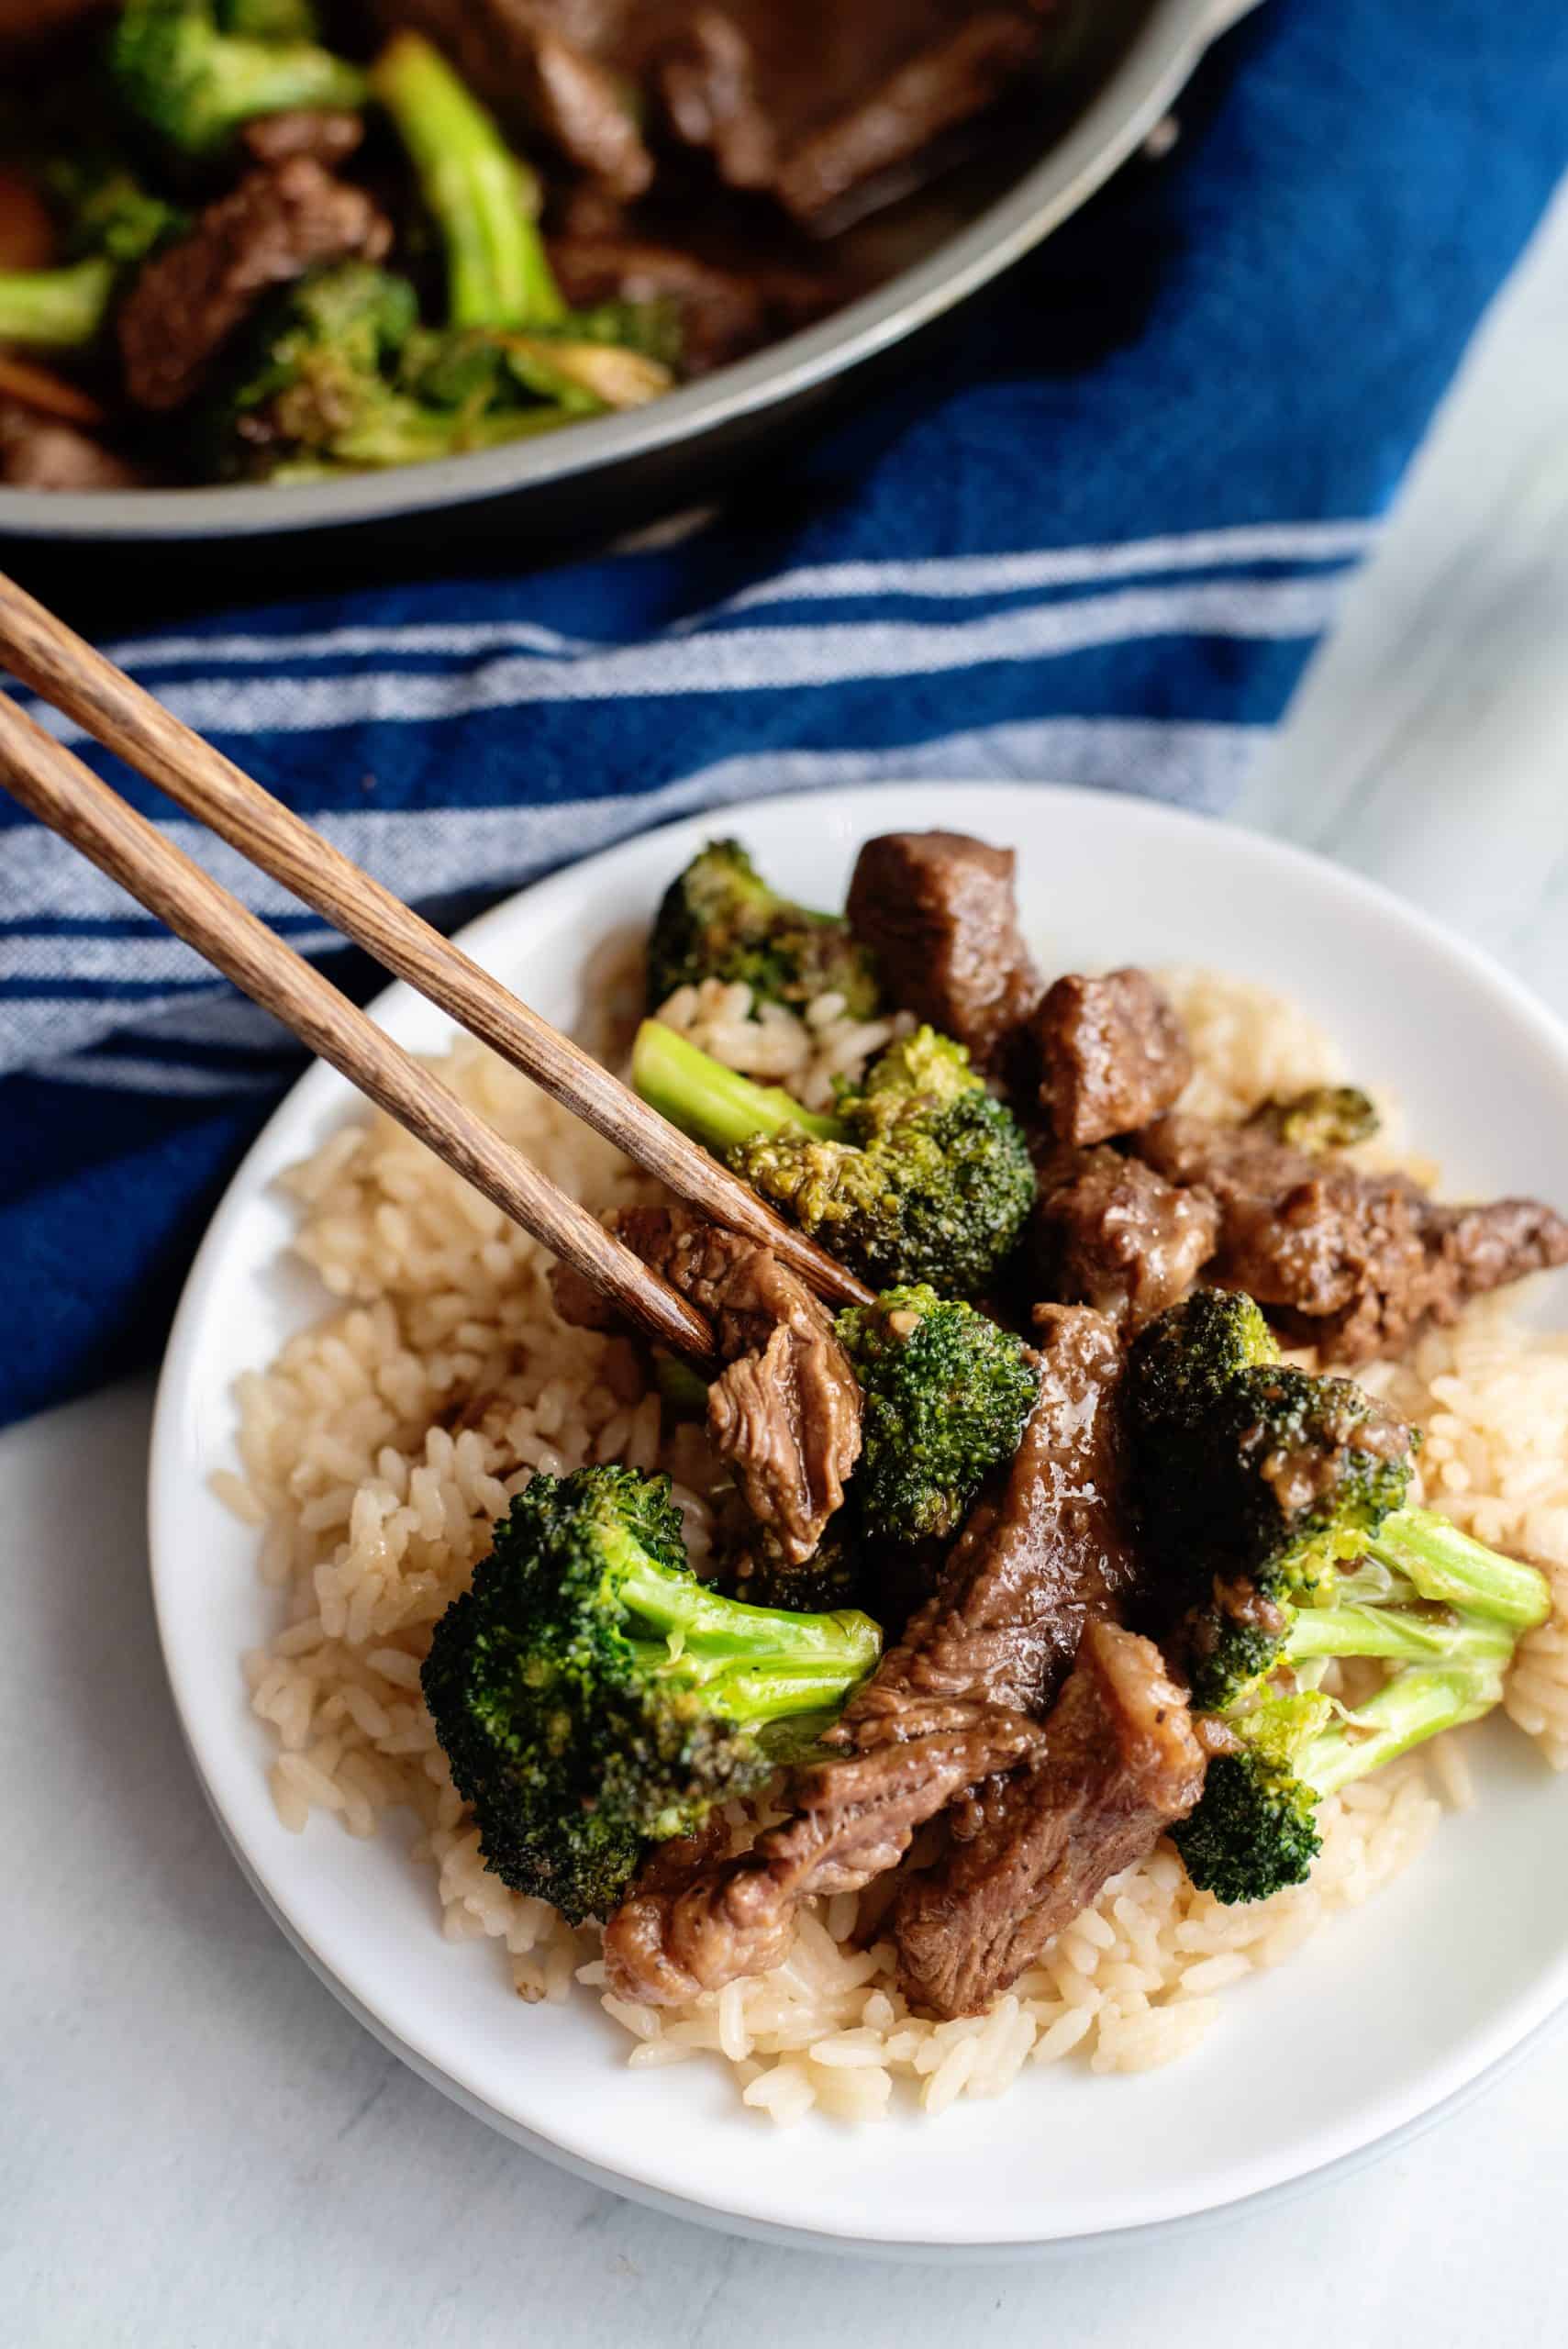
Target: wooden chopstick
<point>62,667</point>
<point>67,796</point>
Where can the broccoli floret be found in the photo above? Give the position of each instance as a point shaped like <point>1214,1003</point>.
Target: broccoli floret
<point>1254,1480</point>
<point>591,1694</point>
<point>194,84</point>
<point>1442,1611</point>
<point>832,1578</point>
<point>1254,1830</point>
<point>107,221</point>
<point>921,1175</point>
<point>1284,1494</point>
<point>480,197</point>
<point>55,309</point>
<point>944,1395</point>
<point>102,207</point>
<point>719,919</point>
<point>1279,1500</point>
<point>1289,1475</point>
<point>323,381</point>
<point>1324,1118</point>
<point>1184,1359</point>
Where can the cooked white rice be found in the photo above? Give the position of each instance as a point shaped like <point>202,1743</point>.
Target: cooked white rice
<point>378,1448</point>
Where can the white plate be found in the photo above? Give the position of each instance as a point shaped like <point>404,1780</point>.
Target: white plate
<point>1389,2011</point>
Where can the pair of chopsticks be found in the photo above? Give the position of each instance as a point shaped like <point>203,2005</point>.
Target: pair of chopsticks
<point>61,668</point>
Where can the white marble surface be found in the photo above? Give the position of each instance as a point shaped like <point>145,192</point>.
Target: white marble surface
<point>198,2146</point>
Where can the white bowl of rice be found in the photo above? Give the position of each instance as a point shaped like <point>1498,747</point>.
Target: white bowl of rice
<point>367,1364</point>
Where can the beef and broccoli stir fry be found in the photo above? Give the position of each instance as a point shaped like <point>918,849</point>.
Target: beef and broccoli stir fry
<point>1060,1553</point>
<point>272,241</point>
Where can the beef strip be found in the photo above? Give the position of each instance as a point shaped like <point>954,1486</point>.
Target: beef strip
<point>278,222</point>
<point>1351,1260</point>
<point>951,1706</point>
<point>851,1818</point>
<point>936,909</point>
<point>1118,1764</point>
<point>327,135</point>
<point>786,1410</point>
<point>1110,1233</point>
<point>42,452</point>
<point>1113,1053</point>
<point>1042,1550</point>
<point>812,101</point>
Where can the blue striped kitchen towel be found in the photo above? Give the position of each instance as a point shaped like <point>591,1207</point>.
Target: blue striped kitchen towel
<point>1095,539</point>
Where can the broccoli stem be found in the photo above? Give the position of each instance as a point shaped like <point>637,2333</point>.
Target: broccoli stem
<point>715,1105</point>
<point>244,79</point>
<point>1398,1635</point>
<point>681,1388</point>
<point>741,1691</point>
<point>55,309</point>
<point>497,273</point>
<point>704,1628</point>
<point>1414,1704</point>
<point>1450,1567</point>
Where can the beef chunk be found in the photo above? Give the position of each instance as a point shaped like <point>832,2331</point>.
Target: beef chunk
<point>937,910</point>
<point>277,222</point>
<point>1350,1261</point>
<point>814,100</point>
<point>41,453</point>
<point>1110,1233</point>
<point>1114,1055</point>
<point>946,1710</point>
<point>786,1408</point>
<point>329,137</point>
<point>1119,1763</point>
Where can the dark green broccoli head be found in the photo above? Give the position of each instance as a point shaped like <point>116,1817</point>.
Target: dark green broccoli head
<point>933,1181</point>
<point>313,370</point>
<point>1246,1467</point>
<point>194,84</point>
<point>1324,1118</point>
<point>945,1394</point>
<point>1185,1357</point>
<point>1230,1642</point>
<point>1300,1471</point>
<point>719,919</point>
<point>832,1578</point>
<point>591,1694</point>
<point>1254,1830</point>
<point>102,206</point>
<point>1255,1480</point>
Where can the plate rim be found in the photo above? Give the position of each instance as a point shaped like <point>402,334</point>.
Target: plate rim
<point>1441,2085</point>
